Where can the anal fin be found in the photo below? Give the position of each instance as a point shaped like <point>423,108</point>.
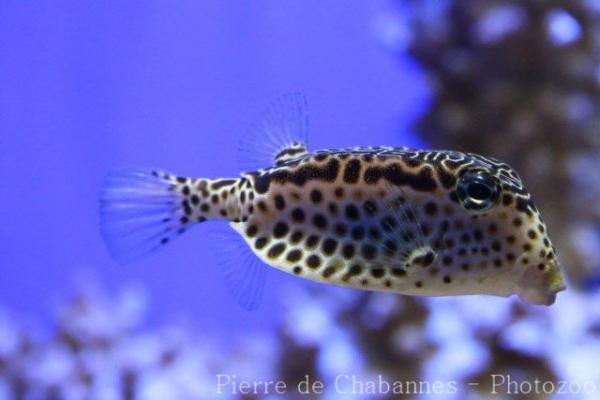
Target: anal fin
<point>244,273</point>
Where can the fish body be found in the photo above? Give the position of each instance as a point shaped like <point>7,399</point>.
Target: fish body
<point>415,222</point>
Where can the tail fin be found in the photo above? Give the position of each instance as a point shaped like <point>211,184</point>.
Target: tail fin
<point>141,211</point>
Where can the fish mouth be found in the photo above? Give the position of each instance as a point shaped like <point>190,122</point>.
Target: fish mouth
<point>540,287</point>
<point>537,297</point>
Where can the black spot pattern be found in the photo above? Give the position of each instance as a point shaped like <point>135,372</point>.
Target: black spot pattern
<point>370,208</point>
<point>329,271</point>
<point>352,212</point>
<point>320,221</point>
<point>281,229</point>
<point>352,171</point>
<point>251,231</point>
<point>368,251</point>
<point>312,241</point>
<point>431,208</point>
<point>261,243</point>
<point>348,251</point>
<point>298,215</point>
<point>313,261</point>
<point>276,250</point>
<point>354,270</point>
<point>423,180</point>
<point>358,232</point>
<point>329,246</point>
<point>377,272</point>
<point>299,176</point>
<point>279,202</point>
<point>340,229</point>
<point>316,196</point>
<point>296,237</point>
<point>294,255</point>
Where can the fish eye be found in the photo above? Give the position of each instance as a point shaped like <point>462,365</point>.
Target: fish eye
<point>477,191</point>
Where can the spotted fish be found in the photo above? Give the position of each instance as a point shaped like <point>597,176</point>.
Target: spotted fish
<point>415,222</point>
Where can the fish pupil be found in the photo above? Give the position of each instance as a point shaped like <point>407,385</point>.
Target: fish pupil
<point>479,191</point>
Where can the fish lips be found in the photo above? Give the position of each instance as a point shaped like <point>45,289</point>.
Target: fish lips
<point>540,287</point>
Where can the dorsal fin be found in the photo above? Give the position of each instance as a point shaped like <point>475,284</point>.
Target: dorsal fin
<point>279,134</point>
<point>292,151</point>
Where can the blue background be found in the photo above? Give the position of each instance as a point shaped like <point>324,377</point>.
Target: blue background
<point>89,86</point>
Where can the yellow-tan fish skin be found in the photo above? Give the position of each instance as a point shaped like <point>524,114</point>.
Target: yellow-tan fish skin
<point>389,219</point>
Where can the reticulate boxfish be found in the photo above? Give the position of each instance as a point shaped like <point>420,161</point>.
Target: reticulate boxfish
<point>415,222</point>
